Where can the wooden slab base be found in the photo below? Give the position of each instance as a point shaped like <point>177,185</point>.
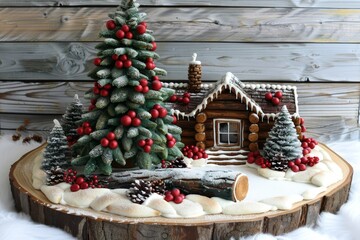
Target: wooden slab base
<point>88,224</point>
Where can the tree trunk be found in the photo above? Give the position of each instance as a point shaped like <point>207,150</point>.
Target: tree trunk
<point>226,184</point>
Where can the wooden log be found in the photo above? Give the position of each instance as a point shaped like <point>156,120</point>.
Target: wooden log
<point>200,137</point>
<point>254,128</point>
<point>253,118</point>
<point>253,147</point>
<point>226,184</point>
<point>200,127</point>
<point>201,145</point>
<point>226,105</point>
<point>201,117</point>
<point>253,137</point>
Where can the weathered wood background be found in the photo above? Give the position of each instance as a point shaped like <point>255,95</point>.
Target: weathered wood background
<point>46,50</point>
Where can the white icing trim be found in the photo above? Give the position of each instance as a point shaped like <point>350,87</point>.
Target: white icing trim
<point>194,61</point>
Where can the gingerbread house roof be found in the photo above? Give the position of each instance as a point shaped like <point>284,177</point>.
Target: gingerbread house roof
<point>250,94</point>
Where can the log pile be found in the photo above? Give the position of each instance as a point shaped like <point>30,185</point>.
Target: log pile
<point>200,135</point>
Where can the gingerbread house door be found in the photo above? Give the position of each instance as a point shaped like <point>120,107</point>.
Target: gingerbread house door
<point>228,133</point>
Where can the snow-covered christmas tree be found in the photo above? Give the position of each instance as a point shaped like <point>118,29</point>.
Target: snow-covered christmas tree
<point>57,151</point>
<point>283,144</point>
<point>128,117</point>
<point>73,114</point>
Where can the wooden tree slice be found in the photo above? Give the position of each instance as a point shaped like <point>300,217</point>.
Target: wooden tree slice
<point>201,117</point>
<point>253,118</point>
<point>88,224</point>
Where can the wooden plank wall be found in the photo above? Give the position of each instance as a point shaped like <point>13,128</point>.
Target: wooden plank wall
<point>46,49</point>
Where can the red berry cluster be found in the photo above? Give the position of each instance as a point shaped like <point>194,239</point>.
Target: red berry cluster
<point>84,129</point>
<point>130,119</point>
<point>156,84</point>
<point>308,144</point>
<point>109,141</point>
<point>301,163</point>
<point>175,119</point>
<point>110,24</point>
<point>80,182</point>
<point>274,99</point>
<point>255,157</point>
<point>123,32</point>
<point>146,144</point>
<point>194,152</point>
<point>158,111</point>
<point>122,61</point>
<point>150,64</point>
<point>185,99</point>
<point>171,141</point>
<point>102,91</point>
<point>174,195</point>
<point>143,86</point>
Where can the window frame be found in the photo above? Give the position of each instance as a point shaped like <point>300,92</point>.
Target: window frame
<point>239,132</point>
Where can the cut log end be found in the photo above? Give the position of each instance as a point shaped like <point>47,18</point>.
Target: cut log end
<point>241,187</point>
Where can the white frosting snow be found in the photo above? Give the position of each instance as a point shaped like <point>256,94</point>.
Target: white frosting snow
<point>262,195</point>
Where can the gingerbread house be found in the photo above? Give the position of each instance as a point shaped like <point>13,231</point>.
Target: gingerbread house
<point>229,118</point>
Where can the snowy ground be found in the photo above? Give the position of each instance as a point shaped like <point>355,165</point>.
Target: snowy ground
<point>343,226</point>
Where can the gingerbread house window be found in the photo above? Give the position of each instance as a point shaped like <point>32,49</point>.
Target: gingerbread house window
<point>228,133</point>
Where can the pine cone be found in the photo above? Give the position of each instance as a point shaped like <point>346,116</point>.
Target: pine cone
<point>54,176</point>
<point>279,164</point>
<point>158,186</point>
<point>178,163</point>
<point>140,190</point>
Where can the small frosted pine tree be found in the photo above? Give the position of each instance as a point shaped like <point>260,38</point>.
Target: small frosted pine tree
<point>56,151</point>
<point>69,119</point>
<point>283,144</point>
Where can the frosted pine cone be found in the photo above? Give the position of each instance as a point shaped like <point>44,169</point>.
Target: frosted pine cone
<point>178,163</point>
<point>158,186</point>
<point>140,190</point>
<point>54,176</point>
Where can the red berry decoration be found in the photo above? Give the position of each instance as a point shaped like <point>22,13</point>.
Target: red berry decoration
<point>141,29</point>
<point>178,199</point>
<point>127,63</point>
<point>157,106</point>
<point>147,148</point>
<point>123,57</point>
<point>75,187</point>
<point>302,167</point>
<point>110,24</point>
<point>141,143</point>
<point>110,136</point>
<point>80,131</point>
<point>136,122</point>
<point>125,28</point>
<point>155,78</point>
<point>275,101</point>
<point>186,100</point>
<point>143,82</point>
<point>87,130</point>
<point>97,61</point>
<point>119,64</point>
<point>170,144</point>
<point>104,93</point>
<point>138,88</point>
<point>125,120</point>
<point>128,35</point>
<point>84,185</point>
<point>278,94</point>
<point>113,144</point>
<point>154,113</point>
<point>131,113</point>
<point>104,142</point>
<point>149,141</point>
<point>162,112</point>
<point>156,85</point>
<point>169,197</point>
<point>79,180</point>
<point>295,168</point>
<point>114,57</point>
<point>120,34</point>
<point>154,46</point>
<point>145,89</point>
<point>143,23</point>
<point>174,120</point>
<point>268,96</point>
<point>173,98</point>
<point>107,86</point>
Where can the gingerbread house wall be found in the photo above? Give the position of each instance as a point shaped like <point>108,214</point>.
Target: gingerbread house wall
<point>47,48</point>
